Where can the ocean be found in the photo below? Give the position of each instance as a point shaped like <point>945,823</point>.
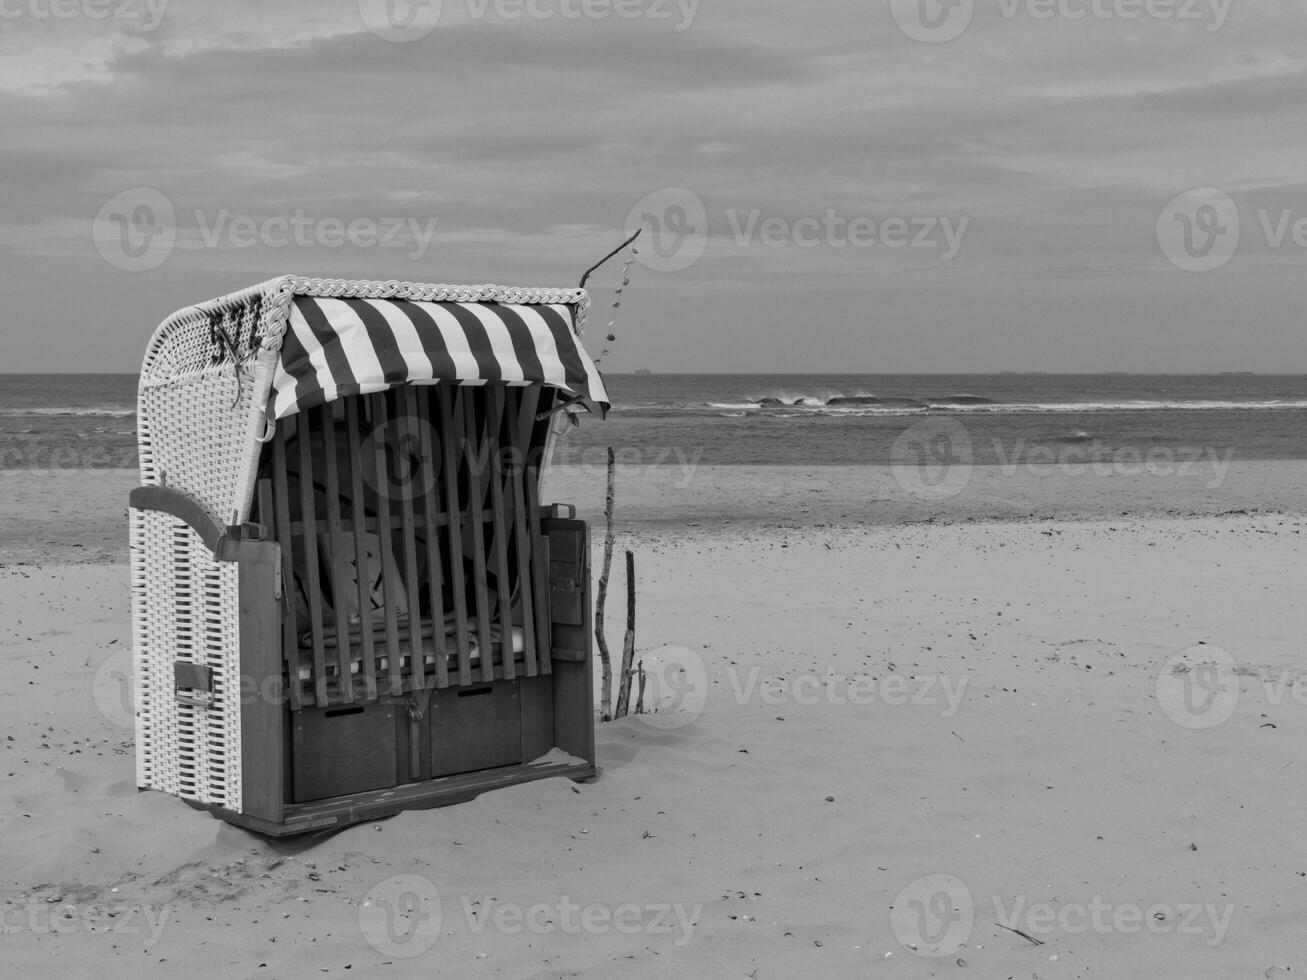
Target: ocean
<point>87,421</point>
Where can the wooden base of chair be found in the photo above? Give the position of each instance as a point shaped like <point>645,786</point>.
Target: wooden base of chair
<point>341,812</point>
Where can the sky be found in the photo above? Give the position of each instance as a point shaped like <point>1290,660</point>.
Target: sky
<point>854,186</point>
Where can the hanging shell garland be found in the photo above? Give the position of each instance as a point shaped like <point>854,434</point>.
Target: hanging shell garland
<point>617,303</point>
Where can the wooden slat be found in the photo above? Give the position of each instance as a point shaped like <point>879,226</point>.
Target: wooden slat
<point>472,458</point>
<point>262,719</point>
<point>516,503</point>
<point>339,566</point>
<point>449,444</point>
<point>313,585</point>
<point>290,643</point>
<point>431,515</point>
<point>389,586</point>
<point>501,524</point>
<point>574,729</point>
<point>408,440</point>
<point>539,558</point>
<point>353,426</point>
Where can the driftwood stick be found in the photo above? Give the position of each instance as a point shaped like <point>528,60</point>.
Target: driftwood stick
<point>1037,942</point>
<point>606,694</point>
<point>628,644</point>
<point>639,701</point>
<point>586,278</point>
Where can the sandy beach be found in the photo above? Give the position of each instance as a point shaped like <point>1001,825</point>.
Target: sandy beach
<point>937,735</point>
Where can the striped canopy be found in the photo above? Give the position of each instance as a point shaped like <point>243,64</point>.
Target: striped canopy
<point>339,347</point>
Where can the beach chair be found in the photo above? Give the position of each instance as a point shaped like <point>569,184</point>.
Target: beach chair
<point>347,599</point>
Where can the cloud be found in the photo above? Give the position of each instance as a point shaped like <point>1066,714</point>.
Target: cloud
<point>529,141</point>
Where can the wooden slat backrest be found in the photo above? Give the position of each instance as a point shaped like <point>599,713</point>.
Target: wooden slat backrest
<point>280,518</point>
<point>391,587</point>
<point>339,565</point>
<point>358,515</point>
<point>432,508</point>
<point>472,463</point>
<point>527,423</point>
<point>439,484</point>
<point>449,450</point>
<point>515,503</point>
<point>309,549</point>
<point>406,482</point>
<point>500,468</point>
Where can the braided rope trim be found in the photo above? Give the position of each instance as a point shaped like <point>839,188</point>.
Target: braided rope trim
<point>290,286</point>
<point>432,293</point>
<point>277,295</point>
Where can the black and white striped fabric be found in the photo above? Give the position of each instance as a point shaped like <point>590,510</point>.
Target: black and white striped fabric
<point>339,347</point>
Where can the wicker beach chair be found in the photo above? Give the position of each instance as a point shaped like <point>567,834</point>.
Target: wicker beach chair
<point>347,599</point>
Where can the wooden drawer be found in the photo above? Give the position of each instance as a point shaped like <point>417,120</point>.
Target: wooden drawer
<point>477,727</point>
<point>343,749</point>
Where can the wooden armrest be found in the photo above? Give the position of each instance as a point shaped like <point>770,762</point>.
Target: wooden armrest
<point>222,541</point>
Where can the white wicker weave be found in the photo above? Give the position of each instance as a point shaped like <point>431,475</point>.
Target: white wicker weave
<point>185,607</point>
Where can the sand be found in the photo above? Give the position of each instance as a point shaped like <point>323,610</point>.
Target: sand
<point>895,735</point>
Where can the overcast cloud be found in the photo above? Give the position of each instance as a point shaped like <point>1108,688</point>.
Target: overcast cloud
<point>872,201</point>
